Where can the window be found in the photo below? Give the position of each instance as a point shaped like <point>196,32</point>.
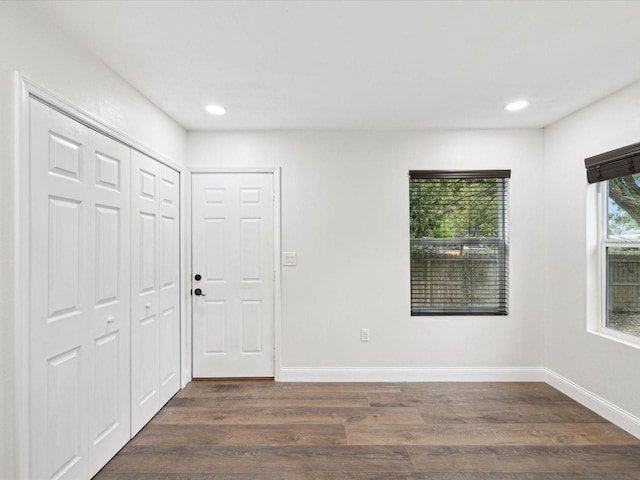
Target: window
<point>618,175</point>
<point>621,254</point>
<point>459,242</point>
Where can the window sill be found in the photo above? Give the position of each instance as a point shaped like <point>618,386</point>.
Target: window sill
<point>616,336</point>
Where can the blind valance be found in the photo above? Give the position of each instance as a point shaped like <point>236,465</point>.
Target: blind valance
<point>616,163</point>
<point>422,174</point>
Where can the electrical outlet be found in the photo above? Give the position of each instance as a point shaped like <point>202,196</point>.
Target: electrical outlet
<point>364,335</point>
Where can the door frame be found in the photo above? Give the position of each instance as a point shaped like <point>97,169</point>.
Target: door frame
<point>277,263</point>
<point>24,89</point>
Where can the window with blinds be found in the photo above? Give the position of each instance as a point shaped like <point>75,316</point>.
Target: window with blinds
<point>459,242</point>
<point>617,173</point>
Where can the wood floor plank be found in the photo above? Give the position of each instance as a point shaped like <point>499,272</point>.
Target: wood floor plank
<point>457,476</point>
<point>574,476</point>
<point>557,459</point>
<point>307,401</point>
<point>492,394</point>
<point>498,413</point>
<point>261,475</point>
<point>342,475</point>
<point>269,416</point>
<point>252,460</point>
<point>491,434</point>
<point>471,387</point>
<point>198,388</point>
<point>351,387</point>
<point>157,434</point>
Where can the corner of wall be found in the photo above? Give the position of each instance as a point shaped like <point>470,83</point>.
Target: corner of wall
<point>616,415</point>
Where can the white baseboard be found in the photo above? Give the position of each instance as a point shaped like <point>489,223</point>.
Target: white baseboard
<point>602,407</point>
<point>339,374</point>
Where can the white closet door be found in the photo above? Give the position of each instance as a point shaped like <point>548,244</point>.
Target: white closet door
<point>169,326</point>
<point>109,293</point>
<point>145,395</point>
<point>155,330</point>
<point>79,319</point>
<point>60,265</point>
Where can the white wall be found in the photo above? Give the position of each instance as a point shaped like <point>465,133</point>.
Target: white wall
<point>600,365</point>
<point>6,275</point>
<point>345,213</point>
<point>33,47</point>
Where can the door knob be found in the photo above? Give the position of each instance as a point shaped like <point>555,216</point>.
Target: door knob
<point>199,293</point>
<point>198,277</point>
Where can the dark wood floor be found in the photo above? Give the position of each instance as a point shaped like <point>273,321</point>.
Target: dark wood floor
<point>340,431</point>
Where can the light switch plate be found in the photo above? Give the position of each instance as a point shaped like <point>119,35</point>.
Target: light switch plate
<point>289,259</point>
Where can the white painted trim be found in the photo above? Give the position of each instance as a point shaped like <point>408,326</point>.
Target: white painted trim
<point>185,299</point>
<point>617,336</point>
<point>597,244</point>
<point>238,169</point>
<point>277,242</point>
<point>21,281</point>
<point>188,275</point>
<point>412,374</point>
<point>24,89</point>
<point>277,260</point>
<point>616,415</point>
<point>95,123</point>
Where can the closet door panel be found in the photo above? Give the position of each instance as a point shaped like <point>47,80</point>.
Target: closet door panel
<point>60,266</point>
<point>170,283</point>
<point>145,278</point>
<point>110,382</point>
<point>155,332</point>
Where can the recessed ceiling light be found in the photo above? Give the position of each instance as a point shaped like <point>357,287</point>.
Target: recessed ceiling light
<point>517,105</point>
<point>215,109</point>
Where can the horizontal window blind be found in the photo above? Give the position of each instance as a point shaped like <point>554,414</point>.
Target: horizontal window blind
<point>459,247</point>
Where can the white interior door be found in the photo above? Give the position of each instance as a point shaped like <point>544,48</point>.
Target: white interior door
<point>169,271</point>
<point>155,303</point>
<point>79,318</point>
<point>145,394</point>
<point>233,257</point>
<point>60,267</point>
<point>109,291</point>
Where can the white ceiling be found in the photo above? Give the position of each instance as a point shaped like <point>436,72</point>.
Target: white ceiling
<point>361,64</point>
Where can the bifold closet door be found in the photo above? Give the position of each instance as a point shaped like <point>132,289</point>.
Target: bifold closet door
<point>79,286</point>
<point>155,330</point>
<point>110,291</point>
<point>169,260</point>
